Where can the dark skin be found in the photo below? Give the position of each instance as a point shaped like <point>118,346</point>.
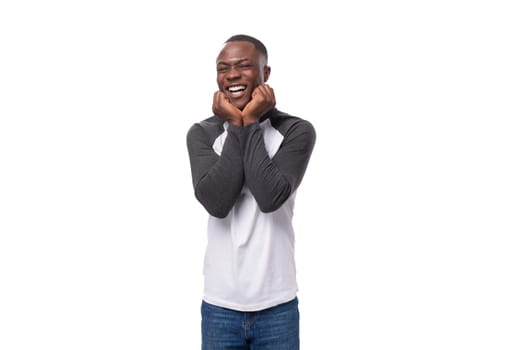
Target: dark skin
<point>243,97</point>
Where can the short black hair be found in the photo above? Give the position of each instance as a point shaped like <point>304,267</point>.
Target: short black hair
<point>258,44</point>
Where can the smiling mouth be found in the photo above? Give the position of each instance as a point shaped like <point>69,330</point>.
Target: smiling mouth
<point>236,90</point>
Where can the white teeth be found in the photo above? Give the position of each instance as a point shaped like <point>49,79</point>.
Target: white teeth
<point>236,88</point>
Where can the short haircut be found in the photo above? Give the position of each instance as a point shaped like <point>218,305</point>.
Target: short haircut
<point>258,44</point>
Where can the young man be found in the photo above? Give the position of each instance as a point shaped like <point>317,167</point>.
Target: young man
<point>247,162</point>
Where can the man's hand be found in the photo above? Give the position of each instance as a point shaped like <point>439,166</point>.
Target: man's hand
<point>263,100</point>
<point>224,109</point>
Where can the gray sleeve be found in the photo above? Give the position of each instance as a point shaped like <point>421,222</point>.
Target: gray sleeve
<point>272,181</point>
<point>217,180</point>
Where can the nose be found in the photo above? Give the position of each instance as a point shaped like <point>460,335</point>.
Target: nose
<point>233,74</point>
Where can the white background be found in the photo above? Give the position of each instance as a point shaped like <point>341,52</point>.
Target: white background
<point>410,219</point>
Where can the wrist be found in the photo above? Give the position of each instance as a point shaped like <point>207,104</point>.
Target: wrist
<point>236,122</point>
<point>247,122</point>
<point>249,119</point>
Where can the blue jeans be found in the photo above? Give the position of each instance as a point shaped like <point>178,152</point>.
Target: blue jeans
<point>276,328</point>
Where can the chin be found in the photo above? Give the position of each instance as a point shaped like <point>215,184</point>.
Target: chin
<point>241,105</point>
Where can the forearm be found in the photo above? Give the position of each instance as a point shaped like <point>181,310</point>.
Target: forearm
<point>217,179</point>
<point>269,186</point>
<point>273,180</point>
<point>218,190</point>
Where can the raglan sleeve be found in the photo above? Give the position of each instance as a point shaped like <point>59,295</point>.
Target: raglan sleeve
<point>273,180</point>
<point>217,179</point>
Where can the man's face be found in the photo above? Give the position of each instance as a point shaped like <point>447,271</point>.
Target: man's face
<point>240,69</point>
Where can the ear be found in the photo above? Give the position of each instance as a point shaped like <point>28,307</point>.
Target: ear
<point>267,71</point>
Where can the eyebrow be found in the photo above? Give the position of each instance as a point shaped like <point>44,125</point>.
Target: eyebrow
<point>235,63</point>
